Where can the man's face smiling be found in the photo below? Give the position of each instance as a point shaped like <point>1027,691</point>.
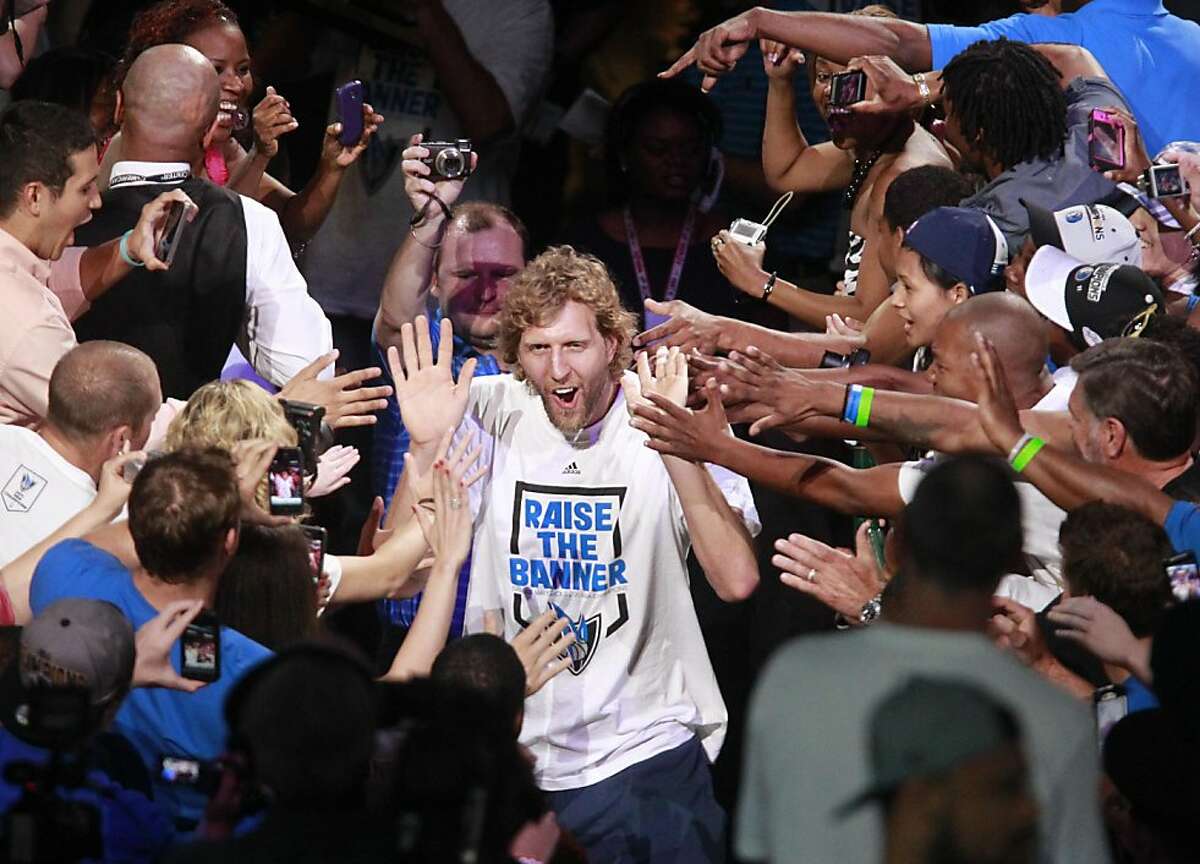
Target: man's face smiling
<point>472,279</point>
<point>567,362</point>
<point>61,214</point>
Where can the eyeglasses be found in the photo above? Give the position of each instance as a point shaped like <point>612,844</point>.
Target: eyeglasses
<point>1138,323</point>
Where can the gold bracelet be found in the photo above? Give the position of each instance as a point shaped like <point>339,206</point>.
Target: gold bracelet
<point>923,88</point>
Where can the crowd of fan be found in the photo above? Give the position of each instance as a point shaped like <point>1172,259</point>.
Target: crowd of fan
<point>567,431</point>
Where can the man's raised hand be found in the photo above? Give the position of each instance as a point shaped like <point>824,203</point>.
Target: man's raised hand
<point>762,380</point>
<point>997,411</point>
<point>154,641</point>
<point>431,401</point>
<point>346,402</point>
<point>717,50</point>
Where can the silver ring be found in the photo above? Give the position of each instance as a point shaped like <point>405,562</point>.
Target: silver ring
<point>811,576</point>
<point>455,503</point>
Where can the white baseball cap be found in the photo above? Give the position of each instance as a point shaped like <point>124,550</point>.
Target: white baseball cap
<point>1089,233</point>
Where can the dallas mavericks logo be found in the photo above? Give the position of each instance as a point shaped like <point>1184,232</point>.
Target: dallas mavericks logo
<point>587,637</point>
<point>22,490</point>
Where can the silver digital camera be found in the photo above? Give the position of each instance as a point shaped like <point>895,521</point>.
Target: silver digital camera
<point>448,160</point>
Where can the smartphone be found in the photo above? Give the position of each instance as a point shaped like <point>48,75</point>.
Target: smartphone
<point>306,420</point>
<point>1165,181</point>
<point>200,648</point>
<point>1111,705</point>
<point>316,537</point>
<point>1183,575</point>
<point>184,771</point>
<point>285,481</point>
<point>350,112</point>
<point>168,244</point>
<point>1106,141</point>
<point>846,88</point>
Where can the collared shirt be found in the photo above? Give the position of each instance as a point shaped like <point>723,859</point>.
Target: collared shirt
<point>1150,54</point>
<point>40,299</point>
<point>285,329</point>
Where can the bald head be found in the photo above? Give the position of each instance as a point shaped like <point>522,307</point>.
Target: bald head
<point>170,98</point>
<point>1009,323</point>
<point>98,387</point>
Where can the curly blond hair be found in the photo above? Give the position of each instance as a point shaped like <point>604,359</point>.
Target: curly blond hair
<point>548,282</point>
<point>222,413</point>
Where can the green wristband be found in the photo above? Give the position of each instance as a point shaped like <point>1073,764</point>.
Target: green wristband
<point>123,248</point>
<point>863,416</point>
<point>1025,455</point>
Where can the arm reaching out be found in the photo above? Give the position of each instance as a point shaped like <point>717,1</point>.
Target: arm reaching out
<point>448,531</point>
<point>722,544</point>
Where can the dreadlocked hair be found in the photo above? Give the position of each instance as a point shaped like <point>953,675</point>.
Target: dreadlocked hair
<point>1010,94</point>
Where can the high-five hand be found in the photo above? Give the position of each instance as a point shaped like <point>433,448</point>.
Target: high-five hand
<point>683,432</point>
<point>431,401</point>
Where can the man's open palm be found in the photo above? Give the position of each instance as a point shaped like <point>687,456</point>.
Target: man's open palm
<point>430,400</point>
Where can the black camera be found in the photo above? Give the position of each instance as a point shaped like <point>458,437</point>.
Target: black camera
<point>448,160</point>
<point>314,437</point>
<point>833,360</point>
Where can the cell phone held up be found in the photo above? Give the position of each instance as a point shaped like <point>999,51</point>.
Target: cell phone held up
<point>316,539</point>
<point>200,648</point>
<point>349,98</point>
<point>1106,141</point>
<point>1184,576</point>
<point>306,420</point>
<point>847,88</point>
<point>168,244</point>
<point>285,482</point>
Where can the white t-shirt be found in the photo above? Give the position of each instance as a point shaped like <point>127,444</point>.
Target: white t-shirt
<point>41,491</point>
<point>1040,517</point>
<point>807,749</point>
<point>597,531</point>
<point>346,261</point>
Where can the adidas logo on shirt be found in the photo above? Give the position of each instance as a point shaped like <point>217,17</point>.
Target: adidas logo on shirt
<point>572,469</point>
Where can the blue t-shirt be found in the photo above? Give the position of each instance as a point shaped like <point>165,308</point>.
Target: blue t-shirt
<point>1150,54</point>
<point>134,828</point>
<point>1183,527</point>
<point>390,445</point>
<point>157,721</point>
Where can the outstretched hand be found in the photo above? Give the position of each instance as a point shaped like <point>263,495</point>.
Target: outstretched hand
<point>346,402</point>
<point>431,401</point>
<point>685,433</point>
<point>997,410</point>
<point>542,649</point>
<point>843,582</point>
<point>686,328</point>
<point>717,50</point>
<point>447,524</point>
<point>760,379</point>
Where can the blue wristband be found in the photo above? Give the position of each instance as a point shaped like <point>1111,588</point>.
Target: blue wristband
<point>1192,302</point>
<point>123,248</point>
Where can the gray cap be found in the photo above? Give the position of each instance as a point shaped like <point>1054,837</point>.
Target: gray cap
<point>79,643</point>
<point>928,726</point>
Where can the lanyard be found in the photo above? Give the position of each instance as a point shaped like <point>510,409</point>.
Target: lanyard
<point>168,177</point>
<point>639,265</point>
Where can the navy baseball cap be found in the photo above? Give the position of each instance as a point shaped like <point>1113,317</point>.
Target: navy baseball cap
<point>964,242</point>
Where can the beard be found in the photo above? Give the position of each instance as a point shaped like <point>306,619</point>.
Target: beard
<point>588,405</point>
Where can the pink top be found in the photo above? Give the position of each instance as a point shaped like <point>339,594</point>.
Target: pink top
<point>40,299</point>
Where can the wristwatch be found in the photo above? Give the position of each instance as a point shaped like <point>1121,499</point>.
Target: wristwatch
<point>770,286</point>
<point>871,610</point>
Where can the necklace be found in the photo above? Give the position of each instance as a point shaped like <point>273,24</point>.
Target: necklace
<point>862,167</point>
